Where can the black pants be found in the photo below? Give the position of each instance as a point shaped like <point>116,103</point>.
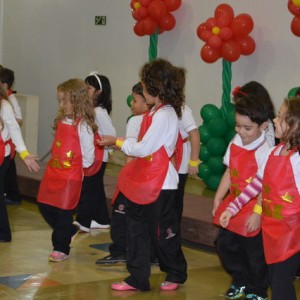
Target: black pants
<point>180,195</point>
<point>61,221</point>
<point>92,204</point>
<point>243,258</point>
<point>157,223</point>
<point>5,232</point>
<point>282,275</point>
<point>11,188</point>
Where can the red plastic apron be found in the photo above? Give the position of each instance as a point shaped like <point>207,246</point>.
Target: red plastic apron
<point>62,181</point>
<point>141,179</point>
<point>281,209</point>
<point>179,151</point>
<point>243,167</point>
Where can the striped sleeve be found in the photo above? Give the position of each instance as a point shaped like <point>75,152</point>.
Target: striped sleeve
<point>251,190</point>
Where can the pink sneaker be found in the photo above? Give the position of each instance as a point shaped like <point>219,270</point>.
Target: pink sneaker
<point>56,256</point>
<point>122,286</point>
<point>169,286</point>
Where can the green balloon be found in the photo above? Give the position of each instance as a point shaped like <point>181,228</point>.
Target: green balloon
<point>215,165</point>
<point>229,135</point>
<point>129,99</point>
<point>217,127</point>
<point>292,92</point>
<point>213,182</point>
<point>204,153</point>
<point>216,146</point>
<point>209,112</point>
<point>204,133</point>
<point>203,171</point>
<point>230,115</point>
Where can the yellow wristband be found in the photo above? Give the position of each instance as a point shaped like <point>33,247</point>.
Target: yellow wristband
<point>24,154</point>
<point>119,143</point>
<point>257,209</point>
<point>194,163</point>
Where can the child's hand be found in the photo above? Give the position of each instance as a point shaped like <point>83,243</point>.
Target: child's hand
<point>225,218</point>
<point>193,170</point>
<point>253,222</point>
<point>107,140</point>
<point>217,202</point>
<point>30,162</point>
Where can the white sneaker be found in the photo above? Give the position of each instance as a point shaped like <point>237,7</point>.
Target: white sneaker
<point>81,227</point>
<point>95,225</point>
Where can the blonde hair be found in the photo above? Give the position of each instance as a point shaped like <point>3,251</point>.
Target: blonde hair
<point>75,90</point>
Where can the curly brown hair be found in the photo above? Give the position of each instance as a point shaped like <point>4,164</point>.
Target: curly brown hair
<point>3,96</point>
<point>165,81</point>
<point>292,119</point>
<point>75,90</point>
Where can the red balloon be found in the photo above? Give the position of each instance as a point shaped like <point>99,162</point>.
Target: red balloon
<point>157,9</point>
<point>211,23</point>
<point>224,10</point>
<point>145,3</point>
<point>138,28</point>
<point>295,10</point>
<point>172,4</point>
<point>168,22</point>
<point>230,50</point>
<point>247,45</point>
<point>225,33</point>
<point>142,12</point>
<point>242,25</point>
<point>200,29</point>
<point>295,26</point>
<point>215,42</point>
<point>132,2</point>
<point>203,33</point>
<point>209,55</point>
<point>223,22</point>
<point>149,25</point>
<point>135,15</point>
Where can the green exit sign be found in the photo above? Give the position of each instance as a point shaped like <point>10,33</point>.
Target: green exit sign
<point>100,20</point>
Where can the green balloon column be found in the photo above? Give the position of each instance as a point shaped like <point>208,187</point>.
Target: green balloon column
<point>226,37</point>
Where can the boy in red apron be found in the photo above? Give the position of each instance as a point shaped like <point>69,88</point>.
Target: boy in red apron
<point>72,150</point>
<point>280,186</point>
<point>149,182</point>
<point>240,245</point>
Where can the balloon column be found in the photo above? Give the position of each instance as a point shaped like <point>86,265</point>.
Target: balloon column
<point>226,37</point>
<point>153,15</point>
<point>294,8</point>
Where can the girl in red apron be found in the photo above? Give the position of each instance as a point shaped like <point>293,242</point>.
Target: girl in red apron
<point>92,211</point>
<point>240,248</point>
<point>280,186</point>
<point>11,140</point>
<point>149,182</point>
<point>72,150</point>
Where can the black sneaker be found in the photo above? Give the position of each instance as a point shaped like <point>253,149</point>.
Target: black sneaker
<point>110,260</point>
<point>12,202</point>
<point>235,292</point>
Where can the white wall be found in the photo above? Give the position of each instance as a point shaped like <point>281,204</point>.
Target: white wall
<point>48,41</point>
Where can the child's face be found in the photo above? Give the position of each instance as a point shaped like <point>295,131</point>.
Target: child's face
<point>65,103</point>
<point>150,100</point>
<point>92,92</point>
<point>138,104</point>
<point>246,129</point>
<point>279,122</point>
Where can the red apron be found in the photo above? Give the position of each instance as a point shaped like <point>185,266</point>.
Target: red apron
<point>281,209</point>
<point>240,177</point>
<point>141,179</point>
<point>179,151</point>
<point>62,181</point>
<point>99,153</point>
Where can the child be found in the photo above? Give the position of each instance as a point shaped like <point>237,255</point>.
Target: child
<point>187,154</point>
<point>240,247</point>
<point>118,248</point>
<point>257,89</point>
<point>92,212</point>
<point>10,140</point>
<point>278,180</point>
<point>149,182</point>
<point>12,194</point>
<point>72,150</point>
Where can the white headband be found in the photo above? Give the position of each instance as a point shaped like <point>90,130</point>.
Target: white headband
<point>95,73</point>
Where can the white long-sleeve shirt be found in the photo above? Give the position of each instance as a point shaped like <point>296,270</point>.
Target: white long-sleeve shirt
<point>163,132</point>
<point>105,126</point>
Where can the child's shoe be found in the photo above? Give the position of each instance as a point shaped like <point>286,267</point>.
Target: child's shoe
<point>56,256</point>
<point>235,292</point>
<point>254,297</point>
<point>169,286</point>
<point>95,225</point>
<point>81,227</point>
